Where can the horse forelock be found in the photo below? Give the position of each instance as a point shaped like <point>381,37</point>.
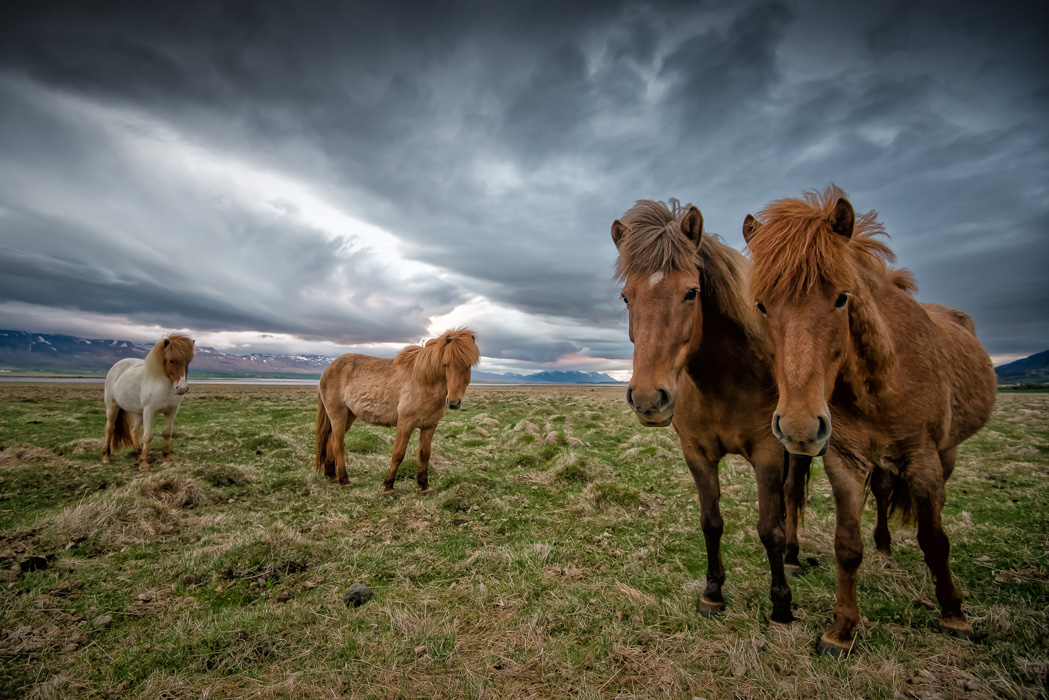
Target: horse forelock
<point>795,249</point>
<point>654,243</point>
<point>179,348</point>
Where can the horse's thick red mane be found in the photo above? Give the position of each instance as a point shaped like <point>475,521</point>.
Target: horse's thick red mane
<point>795,249</point>
<point>455,347</point>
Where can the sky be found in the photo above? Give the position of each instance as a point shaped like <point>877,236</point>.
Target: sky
<point>328,177</point>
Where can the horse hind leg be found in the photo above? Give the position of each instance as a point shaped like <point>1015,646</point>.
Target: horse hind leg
<point>341,420</point>
<point>112,415</point>
<point>147,437</point>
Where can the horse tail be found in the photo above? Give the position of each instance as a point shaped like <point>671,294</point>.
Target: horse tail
<point>123,434</point>
<point>900,501</point>
<point>325,459</point>
<point>797,482</point>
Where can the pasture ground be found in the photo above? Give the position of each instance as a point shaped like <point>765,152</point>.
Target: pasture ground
<point>568,569</point>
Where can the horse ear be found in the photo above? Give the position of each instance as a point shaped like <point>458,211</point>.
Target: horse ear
<point>843,218</point>
<point>750,227</point>
<point>167,342</point>
<point>618,229</point>
<point>692,225</point>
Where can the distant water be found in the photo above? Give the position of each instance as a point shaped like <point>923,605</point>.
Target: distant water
<point>265,382</point>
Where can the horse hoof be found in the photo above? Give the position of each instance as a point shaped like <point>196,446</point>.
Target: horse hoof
<point>707,607</point>
<point>345,483</point>
<point>105,460</point>
<point>957,628</point>
<point>779,625</point>
<point>832,647</point>
<point>885,559</point>
<point>792,570</point>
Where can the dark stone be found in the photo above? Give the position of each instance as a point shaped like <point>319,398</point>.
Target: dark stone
<point>357,595</point>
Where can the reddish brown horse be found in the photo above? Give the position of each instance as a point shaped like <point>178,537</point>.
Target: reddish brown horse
<point>699,364</point>
<point>887,386</point>
<point>411,391</point>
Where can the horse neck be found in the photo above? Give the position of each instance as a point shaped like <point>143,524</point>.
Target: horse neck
<point>723,350</point>
<point>870,369</point>
<point>154,363</point>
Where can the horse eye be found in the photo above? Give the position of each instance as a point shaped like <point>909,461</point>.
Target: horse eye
<point>840,301</point>
<point>691,294</point>
<point>625,301</point>
<point>761,307</point>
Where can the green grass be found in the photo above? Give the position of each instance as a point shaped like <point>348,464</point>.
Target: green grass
<point>536,570</point>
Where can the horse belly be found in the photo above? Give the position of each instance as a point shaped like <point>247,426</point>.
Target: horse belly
<point>122,384</point>
<point>375,410</point>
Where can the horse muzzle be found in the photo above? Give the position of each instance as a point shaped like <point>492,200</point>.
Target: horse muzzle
<point>181,390</point>
<point>653,409</point>
<point>808,437</point>
<point>455,406</point>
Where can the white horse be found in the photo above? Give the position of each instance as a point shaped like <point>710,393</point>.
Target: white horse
<point>137,390</point>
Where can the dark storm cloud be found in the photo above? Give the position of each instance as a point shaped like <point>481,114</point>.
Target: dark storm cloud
<point>497,142</point>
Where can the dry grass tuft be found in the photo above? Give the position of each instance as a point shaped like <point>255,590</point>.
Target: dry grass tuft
<point>174,491</point>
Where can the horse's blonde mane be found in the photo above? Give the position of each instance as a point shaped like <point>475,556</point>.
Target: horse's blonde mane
<point>653,242</point>
<point>456,347</point>
<point>176,346</point>
<point>795,249</point>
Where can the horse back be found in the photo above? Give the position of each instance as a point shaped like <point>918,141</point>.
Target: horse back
<point>967,369</point>
<point>369,387</point>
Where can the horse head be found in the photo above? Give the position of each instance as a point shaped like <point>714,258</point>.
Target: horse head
<point>657,263</point>
<point>803,286</point>
<point>459,354</point>
<point>177,353</point>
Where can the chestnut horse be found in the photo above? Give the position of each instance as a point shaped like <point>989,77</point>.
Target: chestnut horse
<point>699,364</point>
<point>411,391</point>
<point>887,386</point>
<point>136,390</point>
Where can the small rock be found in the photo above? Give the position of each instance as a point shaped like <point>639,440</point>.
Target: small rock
<point>32,564</point>
<point>420,651</point>
<point>283,597</point>
<point>357,595</point>
<point>101,621</point>
<point>145,597</point>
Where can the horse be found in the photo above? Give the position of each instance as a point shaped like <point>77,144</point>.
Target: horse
<point>413,390</point>
<point>699,365</point>
<point>886,386</point>
<point>136,390</point>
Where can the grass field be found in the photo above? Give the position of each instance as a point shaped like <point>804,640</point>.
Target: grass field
<point>561,556</point>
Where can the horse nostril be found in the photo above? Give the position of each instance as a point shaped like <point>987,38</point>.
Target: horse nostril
<point>823,432</point>
<point>664,399</point>
<point>630,396</point>
<point>775,427</point>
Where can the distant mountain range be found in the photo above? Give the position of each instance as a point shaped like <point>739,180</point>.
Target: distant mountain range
<point>64,354</point>
<point>1033,369</point>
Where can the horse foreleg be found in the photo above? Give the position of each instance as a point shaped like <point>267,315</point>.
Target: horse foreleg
<point>846,480</point>
<point>768,468</point>
<point>881,487</point>
<point>797,477</point>
<point>422,477</point>
<point>136,430</point>
<point>705,474</point>
<point>169,421</point>
<point>924,479</point>
<point>147,437</point>
<point>400,447</point>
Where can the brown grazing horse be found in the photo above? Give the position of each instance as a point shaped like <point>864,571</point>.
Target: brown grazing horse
<point>411,391</point>
<point>887,386</point>
<point>136,390</point>
<point>699,363</point>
